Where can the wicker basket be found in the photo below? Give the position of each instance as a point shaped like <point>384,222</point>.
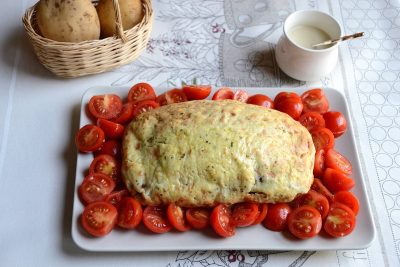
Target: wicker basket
<point>78,59</point>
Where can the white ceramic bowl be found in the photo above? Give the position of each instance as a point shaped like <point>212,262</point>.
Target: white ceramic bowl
<point>302,63</point>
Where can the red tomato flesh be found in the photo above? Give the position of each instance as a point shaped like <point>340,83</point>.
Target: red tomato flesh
<point>319,163</point>
<point>110,147</point>
<point>337,181</point>
<point>241,96</point>
<point>115,197</point>
<point>155,219</point>
<point>315,200</point>
<point>98,218</point>
<point>96,187</point>
<point>244,214</point>
<point>105,164</point>
<point>340,220</point>
<point>125,115</point>
<point>198,218</point>
<point>312,121</point>
<point>221,221</point>
<point>129,213</point>
<point>261,100</point>
<point>315,100</point>
<point>262,213</point>
<point>111,129</point>
<point>175,96</point>
<point>323,139</point>
<point>140,92</point>
<point>319,187</point>
<point>144,106</point>
<point>304,222</point>
<point>349,199</point>
<point>105,106</point>
<point>223,93</point>
<point>89,138</point>
<point>276,219</point>
<point>161,100</point>
<point>197,92</point>
<point>337,161</point>
<point>176,217</point>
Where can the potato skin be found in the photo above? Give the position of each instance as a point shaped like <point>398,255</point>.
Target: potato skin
<point>131,14</point>
<point>68,20</point>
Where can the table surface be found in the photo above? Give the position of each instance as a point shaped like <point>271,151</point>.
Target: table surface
<point>223,42</point>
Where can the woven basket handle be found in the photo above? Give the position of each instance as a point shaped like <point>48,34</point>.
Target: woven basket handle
<point>118,21</point>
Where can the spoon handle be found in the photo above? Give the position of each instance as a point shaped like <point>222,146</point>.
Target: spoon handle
<point>341,39</point>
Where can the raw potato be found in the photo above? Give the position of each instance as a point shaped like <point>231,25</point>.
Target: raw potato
<point>131,14</point>
<point>68,20</point>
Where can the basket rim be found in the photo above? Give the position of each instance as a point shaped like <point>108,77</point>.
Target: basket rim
<point>28,18</point>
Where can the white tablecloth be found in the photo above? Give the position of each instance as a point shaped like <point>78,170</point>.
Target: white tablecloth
<point>221,42</point>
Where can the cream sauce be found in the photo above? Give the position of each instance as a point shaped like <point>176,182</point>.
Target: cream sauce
<point>307,36</point>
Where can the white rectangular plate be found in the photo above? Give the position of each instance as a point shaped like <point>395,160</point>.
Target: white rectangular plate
<point>250,238</point>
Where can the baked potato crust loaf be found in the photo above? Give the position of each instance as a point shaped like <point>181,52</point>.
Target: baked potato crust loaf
<point>201,153</point>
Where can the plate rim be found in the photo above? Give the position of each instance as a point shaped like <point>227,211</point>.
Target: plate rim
<point>76,232</point>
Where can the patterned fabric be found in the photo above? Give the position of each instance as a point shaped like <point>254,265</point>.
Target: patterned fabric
<point>231,43</point>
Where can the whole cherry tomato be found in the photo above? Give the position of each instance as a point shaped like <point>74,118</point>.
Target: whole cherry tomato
<point>336,122</point>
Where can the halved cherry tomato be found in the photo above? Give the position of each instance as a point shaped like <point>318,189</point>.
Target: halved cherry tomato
<point>349,199</point>
<point>125,115</point>
<point>340,220</point>
<point>98,218</point>
<point>337,161</point>
<point>262,213</point>
<point>175,96</point>
<point>323,139</point>
<point>161,100</point>
<point>89,138</point>
<point>336,122</point>
<point>144,106</point>
<point>155,219</point>
<point>304,222</point>
<point>319,163</point>
<point>141,91</point>
<point>105,164</point>
<point>261,100</point>
<point>105,106</point>
<point>244,214</point>
<point>115,197</point>
<point>289,103</point>
<point>111,129</point>
<point>197,92</point>
<point>129,213</point>
<point>315,100</point>
<point>276,219</point>
<point>319,187</point>
<point>312,121</point>
<point>337,181</point>
<point>198,218</point>
<point>315,200</point>
<point>96,187</point>
<point>241,96</point>
<point>176,217</point>
<point>110,147</point>
<point>221,221</point>
<point>223,93</point>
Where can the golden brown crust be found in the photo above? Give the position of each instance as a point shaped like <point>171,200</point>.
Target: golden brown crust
<point>201,153</point>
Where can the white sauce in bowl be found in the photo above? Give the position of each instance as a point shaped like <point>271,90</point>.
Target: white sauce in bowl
<point>306,36</point>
